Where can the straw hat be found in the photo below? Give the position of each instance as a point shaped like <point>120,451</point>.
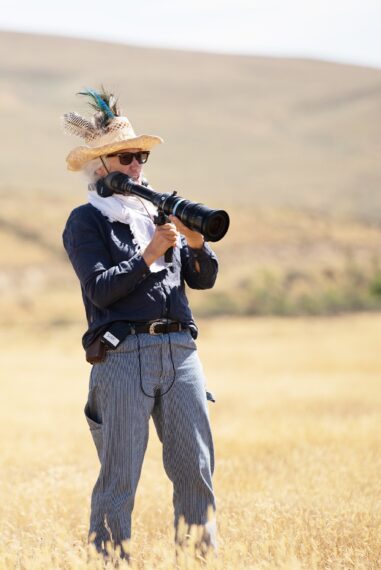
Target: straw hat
<point>105,133</point>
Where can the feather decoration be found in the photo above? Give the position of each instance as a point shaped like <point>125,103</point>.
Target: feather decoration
<point>74,124</point>
<point>111,101</point>
<point>105,105</point>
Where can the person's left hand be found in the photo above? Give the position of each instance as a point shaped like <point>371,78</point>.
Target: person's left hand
<point>195,239</point>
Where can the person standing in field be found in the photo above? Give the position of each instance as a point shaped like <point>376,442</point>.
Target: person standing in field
<point>141,334</point>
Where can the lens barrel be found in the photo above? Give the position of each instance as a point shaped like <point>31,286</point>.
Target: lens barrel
<point>212,224</point>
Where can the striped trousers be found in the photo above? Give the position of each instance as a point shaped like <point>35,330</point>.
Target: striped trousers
<point>123,395</point>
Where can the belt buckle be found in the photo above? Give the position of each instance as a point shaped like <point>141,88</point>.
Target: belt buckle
<point>151,329</point>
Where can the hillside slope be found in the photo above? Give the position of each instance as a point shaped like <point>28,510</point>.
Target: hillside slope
<point>249,130</point>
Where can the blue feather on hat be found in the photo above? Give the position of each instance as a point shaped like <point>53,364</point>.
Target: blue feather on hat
<point>100,103</point>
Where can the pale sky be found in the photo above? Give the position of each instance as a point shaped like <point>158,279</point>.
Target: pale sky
<point>347,31</point>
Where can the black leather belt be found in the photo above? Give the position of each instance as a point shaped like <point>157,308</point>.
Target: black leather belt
<point>118,331</point>
<point>157,327</point>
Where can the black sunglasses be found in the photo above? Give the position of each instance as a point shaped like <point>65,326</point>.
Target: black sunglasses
<point>127,157</point>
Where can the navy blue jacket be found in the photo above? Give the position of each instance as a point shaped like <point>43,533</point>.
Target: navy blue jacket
<point>116,282</point>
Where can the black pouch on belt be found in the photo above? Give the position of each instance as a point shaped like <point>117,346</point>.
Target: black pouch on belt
<point>116,333</point>
<point>96,351</point>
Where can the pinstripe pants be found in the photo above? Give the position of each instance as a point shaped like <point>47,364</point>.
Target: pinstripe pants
<point>118,410</point>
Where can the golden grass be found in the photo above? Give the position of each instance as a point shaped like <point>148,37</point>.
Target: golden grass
<point>296,427</point>
<point>282,252</point>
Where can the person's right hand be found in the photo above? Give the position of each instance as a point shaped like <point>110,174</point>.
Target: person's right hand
<point>165,236</point>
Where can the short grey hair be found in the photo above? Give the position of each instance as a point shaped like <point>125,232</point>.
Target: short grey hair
<point>89,170</point>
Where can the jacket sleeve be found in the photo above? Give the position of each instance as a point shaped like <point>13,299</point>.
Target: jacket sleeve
<point>103,282</point>
<point>206,277</point>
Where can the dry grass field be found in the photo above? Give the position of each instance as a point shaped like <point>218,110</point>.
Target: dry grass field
<point>297,434</point>
<point>278,261</point>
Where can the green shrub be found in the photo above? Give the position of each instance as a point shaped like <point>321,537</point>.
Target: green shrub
<point>294,293</point>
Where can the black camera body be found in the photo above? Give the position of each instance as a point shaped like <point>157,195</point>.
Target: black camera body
<point>212,224</point>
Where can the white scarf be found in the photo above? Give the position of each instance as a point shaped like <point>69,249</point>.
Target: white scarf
<point>138,213</point>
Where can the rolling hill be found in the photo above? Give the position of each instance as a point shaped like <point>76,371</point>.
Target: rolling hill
<point>246,130</point>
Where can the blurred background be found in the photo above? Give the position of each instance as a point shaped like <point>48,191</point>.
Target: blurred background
<point>268,109</point>
<point>272,111</point>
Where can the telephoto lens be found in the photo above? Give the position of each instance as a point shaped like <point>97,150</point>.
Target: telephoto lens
<point>212,224</point>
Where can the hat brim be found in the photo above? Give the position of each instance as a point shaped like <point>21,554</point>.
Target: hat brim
<point>81,155</point>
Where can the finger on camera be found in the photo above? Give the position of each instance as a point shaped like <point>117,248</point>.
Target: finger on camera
<point>166,239</point>
<point>166,227</point>
<point>170,239</point>
<point>176,221</point>
<point>169,234</point>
